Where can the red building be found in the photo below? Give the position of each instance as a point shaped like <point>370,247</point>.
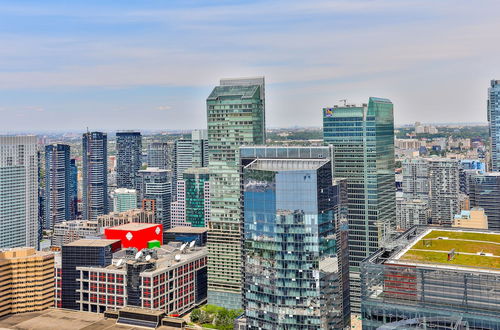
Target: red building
<point>136,234</point>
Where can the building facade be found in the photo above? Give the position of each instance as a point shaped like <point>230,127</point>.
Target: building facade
<point>416,184</point>
<point>473,218</point>
<point>295,246</point>
<point>200,148</point>
<point>57,185</point>
<point>115,219</point>
<point>411,212</point>
<point>363,140</point>
<point>484,193</point>
<point>155,191</point>
<point>26,280</point>
<point>128,158</point>
<point>235,116</point>
<point>19,221</point>
<point>444,190</point>
<point>124,199</point>
<point>66,232</point>
<point>95,175</point>
<point>158,155</point>
<point>494,124</point>
<point>73,184</point>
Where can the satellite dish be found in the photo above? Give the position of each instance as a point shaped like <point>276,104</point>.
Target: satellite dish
<point>191,245</point>
<point>177,257</point>
<point>148,257</point>
<point>183,246</point>
<point>138,255</point>
<point>119,263</point>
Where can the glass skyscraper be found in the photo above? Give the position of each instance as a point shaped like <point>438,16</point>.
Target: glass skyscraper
<point>235,116</point>
<point>155,190</point>
<point>57,184</point>
<point>74,189</point>
<point>95,175</point>
<point>197,202</point>
<point>128,158</point>
<point>494,121</point>
<point>295,245</point>
<point>158,155</point>
<point>485,192</point>
<point>363,140</point>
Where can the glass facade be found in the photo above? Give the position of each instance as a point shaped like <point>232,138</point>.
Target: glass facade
<point>57,185</point>
<point>95,175</point>
<point>74,189</point>
<point>494,123</point>
<point>363,140</point>
<point>484,193</point>
<point>295,246</point>
<point>196,184</point>
<point>128,158</point>
<point>155,191</point>
<point>235,116</point>
<point>158,155</point>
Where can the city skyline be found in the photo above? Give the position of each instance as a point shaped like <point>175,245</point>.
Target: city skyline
<point>150,63</point>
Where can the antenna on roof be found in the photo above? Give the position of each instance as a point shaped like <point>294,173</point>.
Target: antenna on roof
<point>191,245</point>
<point>183,246</point>
<point>177,257</point>
<point>138,255</point>
<point>148,257</point>
<point>119,263</point>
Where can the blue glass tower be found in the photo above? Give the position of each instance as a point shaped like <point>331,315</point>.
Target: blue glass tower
<point>57,184</point>
<point>494,121</point>
<point>95,175</point>
<point>73,200</point>
<point>128,158</point>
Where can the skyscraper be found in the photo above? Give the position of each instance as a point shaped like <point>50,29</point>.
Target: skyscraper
<point>200,148</point>
<point>494,123</point>
<point>155,190</point>
<point>158,155</point>
<point>182,160</point>
<point>124,199</point>
<point>18,191</point>
<point>73,199</point>
<point>128,158</point>
<point>445,187</point>
<point>57,184</point>
<point>363,140</point>
<point>485,193</point>
<point>235,116</point>
<point>416,184</point>
<point>295,247</point>
<point>95,174</point>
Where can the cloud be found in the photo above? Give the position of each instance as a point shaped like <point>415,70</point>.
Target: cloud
<point>164,107</point>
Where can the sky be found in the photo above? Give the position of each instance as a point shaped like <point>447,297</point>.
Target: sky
<point>150,64</point>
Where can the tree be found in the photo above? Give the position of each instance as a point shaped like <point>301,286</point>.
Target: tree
<point>195,315</point>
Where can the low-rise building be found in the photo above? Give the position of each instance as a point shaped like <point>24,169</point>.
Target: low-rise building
<point>26,280</point>
<point>187,234</point>
<point>120,218</point>
<point>473,218</point>
<point>137,235</point>
<point>72,230</point>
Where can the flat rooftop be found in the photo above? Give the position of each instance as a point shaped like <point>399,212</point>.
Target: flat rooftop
<point>63,319</point>
<point>472,249</point>
<point>134,226</point>
<point>187,230</point>
<point>93,242</point>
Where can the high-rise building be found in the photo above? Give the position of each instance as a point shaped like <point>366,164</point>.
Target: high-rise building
<point>182,159</point>
<point>295,245</point>
<point>484,193</point>
<point>128,158</point>
<point>444,189</point>
<point>158,155</point>
<point>57,184</point>
<point>416,183</point>
<point>155,191</point>
<point>494,123</point>
<point>95,174</point>
<point>363,140</point>
<point>411,212</point>
<point>199,139</point>
<point>73,183</point>
<point>235,116</point>
<point>124,199</point>
<point>421,283</point>
<point>192,207</point>
<point>82,253</point>
<point>19,222</point>
<point>26,279</point>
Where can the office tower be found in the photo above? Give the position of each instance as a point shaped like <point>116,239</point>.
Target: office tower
<point>27,280</point>
<point>294,252</point>
<point>158,155</point>
<point>166,281</point>
<point>465,177</point>
<point>494,124</point>
<point>128,158</point>
<point>235,116</point>
<point>124,199</point>
<point>416,183</point>
<point>445,185</point>
<point>192,207</point>
<point>82,253</point>
<point>407,287</point>
<point>155,191</point>
<point>363,140</point>
<point>485,193</point>
<point>115,219</point>
<point>182,160</point>
<point>73,184</point>
<point>199,139</point>
<point>95,174</point>
<point>19,220</point>
<point>69,231</point>
<point>411,212</point>
<point>57,184</point>
<point>473,218</point>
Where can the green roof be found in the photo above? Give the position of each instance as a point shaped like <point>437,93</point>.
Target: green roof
<point>472,249</point>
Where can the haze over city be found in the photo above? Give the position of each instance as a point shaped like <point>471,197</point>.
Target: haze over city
<point>151,64</point>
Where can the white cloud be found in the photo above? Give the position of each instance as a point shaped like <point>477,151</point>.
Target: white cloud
<point>164,107</point>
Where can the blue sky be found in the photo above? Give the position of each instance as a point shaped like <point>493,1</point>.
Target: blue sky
<point>150,64</point>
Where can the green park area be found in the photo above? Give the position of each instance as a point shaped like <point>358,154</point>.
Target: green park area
<point>466,245</point>
<point>214,317</point>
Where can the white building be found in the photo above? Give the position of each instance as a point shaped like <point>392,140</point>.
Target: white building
<point>18,191</point>
<point>445,188</point>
